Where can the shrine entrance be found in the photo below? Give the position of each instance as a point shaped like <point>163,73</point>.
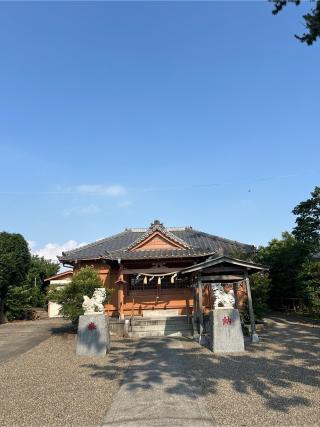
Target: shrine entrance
<point>221,270</point>
<point>147,294</point>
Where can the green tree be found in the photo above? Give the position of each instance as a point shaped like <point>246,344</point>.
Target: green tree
<point>285,259</point>
<point>260,290</point>
<point>18,301</point>
<point>15,261</point>
<point>70,297</point>
<point>260,285</point>
<point>39,270</point>
<point>31,293</point>
<point>311,20</point>
<point>310,277</point>
<point>307,229</point>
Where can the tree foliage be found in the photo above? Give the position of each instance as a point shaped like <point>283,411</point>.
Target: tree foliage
<point>293,270</point>
<point>15,260</point>
<point>310,277</point>
<point>285,258</point>
<point>260,285</point>
<point>307,229</point>
<point>40,269</point>
<point>19,300</point>
<point>31,293</point>
<point>312,20</point>
<point>260,290</point>
<point>71,296</point>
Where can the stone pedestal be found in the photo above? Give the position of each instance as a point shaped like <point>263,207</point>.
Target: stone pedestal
<point>225,331</point>
<point>93,335</point>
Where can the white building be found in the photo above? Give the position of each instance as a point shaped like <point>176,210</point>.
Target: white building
<point>58,281</point>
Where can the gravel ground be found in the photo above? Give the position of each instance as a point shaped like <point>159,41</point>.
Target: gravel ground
<point>50,386</point>
<point>275,383</point>
<point>20,336</point>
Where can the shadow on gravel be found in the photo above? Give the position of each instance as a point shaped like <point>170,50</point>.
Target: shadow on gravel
<point>124,349</point>
<point>287,357</point>
<point>63,328</point>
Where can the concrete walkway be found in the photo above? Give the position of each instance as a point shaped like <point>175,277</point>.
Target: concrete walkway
<point>158,389</point>
<point>18,337</point>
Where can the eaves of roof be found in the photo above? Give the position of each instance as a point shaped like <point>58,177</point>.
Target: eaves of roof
<point>196,243</point>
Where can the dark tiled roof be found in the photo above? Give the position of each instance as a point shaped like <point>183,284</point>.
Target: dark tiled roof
<point>196,244</point>
<point>161,253</point>
<point>157,226</point>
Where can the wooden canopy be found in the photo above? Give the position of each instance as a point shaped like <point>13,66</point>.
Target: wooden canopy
<point>224,268</point>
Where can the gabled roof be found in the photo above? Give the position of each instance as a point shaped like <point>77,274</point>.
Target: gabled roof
<point>225,260</point>
<point>59,276</point>
<point>158,228</point>
<point>192,244</point>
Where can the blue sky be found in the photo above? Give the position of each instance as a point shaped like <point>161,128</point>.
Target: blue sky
<point>114,114</point>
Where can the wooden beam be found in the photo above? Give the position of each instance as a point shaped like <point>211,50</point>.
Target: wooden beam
<point>221,277</point>
<point>224,269</point>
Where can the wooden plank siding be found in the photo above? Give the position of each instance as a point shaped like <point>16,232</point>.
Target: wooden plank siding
<point>180,299</point>
<point>139,300</point>
<point>135,301</point>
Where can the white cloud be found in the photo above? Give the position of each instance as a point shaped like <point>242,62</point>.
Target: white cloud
<point>85,210</point>
<point>101,190</point>
<point>51,250</point>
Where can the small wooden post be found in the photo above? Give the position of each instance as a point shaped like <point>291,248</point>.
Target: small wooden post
<point>236,296</point>
<point>200,308</point>
<point>120,301</point>
<point>194,293</point>
<point>254,335</point>
<point>188,310</point>
<point>195,312</point>
<point>120,282</point>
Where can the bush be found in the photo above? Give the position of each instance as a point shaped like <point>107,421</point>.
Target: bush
<point>18,301</point>
<point>71,296</point>
<point>21,298</point>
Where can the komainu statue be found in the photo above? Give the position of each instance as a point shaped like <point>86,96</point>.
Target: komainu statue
<point>224,296</point>
<point>95,304</point>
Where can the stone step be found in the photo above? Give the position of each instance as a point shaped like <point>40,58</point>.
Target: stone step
<point>160,324</point>
<point>161,321</point>
<point>160,313</point>
<point>142,334</point>
<point>159,329</point>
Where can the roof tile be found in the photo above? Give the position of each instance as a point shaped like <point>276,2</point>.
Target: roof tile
<point>114,247</point>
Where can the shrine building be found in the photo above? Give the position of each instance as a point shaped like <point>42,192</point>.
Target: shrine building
<point>146,268</point>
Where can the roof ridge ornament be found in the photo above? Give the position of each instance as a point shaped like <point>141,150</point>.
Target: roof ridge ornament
<point>156,223</point>
<point>157,227</point>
